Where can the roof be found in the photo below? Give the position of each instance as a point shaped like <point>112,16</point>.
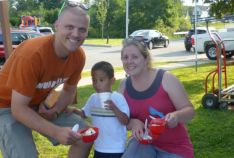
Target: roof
<point>20,30</point>
<point>204,28</point>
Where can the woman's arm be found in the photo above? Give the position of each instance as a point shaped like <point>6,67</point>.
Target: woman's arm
<point>137,128</point>
<point>135,125</point>
<point>184,108</point>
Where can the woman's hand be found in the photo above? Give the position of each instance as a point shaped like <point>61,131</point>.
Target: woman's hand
<point>137,128</point>
<point>171,120</point>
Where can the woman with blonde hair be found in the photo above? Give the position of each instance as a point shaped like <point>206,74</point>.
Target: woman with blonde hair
<point>147,87</point>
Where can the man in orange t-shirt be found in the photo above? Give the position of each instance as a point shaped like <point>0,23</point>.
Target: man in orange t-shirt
<point>28,76</point>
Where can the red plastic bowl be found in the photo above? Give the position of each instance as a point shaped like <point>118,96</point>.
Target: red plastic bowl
<point>146,141</point>
<point>157,126</point>
<point>154,136</point>
<point>89,138</point>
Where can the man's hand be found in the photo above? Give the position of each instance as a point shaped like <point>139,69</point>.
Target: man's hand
<point>66,136</point>
<point>48,114</point>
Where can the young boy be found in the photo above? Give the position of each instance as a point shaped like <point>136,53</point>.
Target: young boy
<point>111,119</point>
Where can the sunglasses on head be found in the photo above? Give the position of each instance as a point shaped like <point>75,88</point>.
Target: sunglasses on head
<point>73,3</point>
<point>136,40</point>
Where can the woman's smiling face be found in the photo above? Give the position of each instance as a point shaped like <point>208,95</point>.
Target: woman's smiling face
<point>133,61</point>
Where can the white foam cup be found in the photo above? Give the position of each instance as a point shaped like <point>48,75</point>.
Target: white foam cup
<point>104,96</point>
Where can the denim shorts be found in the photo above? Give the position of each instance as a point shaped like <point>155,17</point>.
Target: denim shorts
<point>16,140</point>
<point>106,155</point>
<point>137,150</point>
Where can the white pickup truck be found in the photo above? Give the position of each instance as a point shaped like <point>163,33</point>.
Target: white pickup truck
<point>205,44</point>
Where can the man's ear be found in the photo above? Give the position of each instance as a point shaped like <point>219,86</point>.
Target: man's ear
<point>56,25</point>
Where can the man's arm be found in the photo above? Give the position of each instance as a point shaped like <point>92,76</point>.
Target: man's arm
<point>24,114</point>
<point>66,97</point>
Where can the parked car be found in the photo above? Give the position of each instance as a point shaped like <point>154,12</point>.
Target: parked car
<point>187,39</point>
<point>152,38</point>
<point>43,30</point>
<point>17,36</point>
<point>40,29</point>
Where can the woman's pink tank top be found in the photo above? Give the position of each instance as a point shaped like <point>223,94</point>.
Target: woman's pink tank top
<point>173,140</point>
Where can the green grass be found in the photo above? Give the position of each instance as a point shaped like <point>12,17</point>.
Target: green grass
<point>211,131</point>
<point>112,42</point>
<point>115,42</point>
<point>217,25</point>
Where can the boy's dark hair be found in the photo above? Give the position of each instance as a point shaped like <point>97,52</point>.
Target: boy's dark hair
<point>105,67</point>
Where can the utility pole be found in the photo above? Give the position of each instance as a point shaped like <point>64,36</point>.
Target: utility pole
<point>4,21</point>
<point>195,31</point>
<point>127,20</point>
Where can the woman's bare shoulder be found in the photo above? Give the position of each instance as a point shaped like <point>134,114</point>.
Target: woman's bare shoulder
<point>170,80</point>
<point>122,86</point>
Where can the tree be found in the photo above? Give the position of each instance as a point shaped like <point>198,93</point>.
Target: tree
<point>101,12</point>
<point>26,5</point>
<point>115,20</point>
<point>51,4</point>
<point>155,14</point>
<point>219,8</point>
<point>46,10</point>
<point>108,18</point>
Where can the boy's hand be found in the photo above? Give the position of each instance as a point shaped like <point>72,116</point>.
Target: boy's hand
<point>110,105</point>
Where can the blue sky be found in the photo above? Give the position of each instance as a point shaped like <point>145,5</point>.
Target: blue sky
<point>189,2</point>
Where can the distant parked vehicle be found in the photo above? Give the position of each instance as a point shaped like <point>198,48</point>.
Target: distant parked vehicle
<point>17,36</point>
<point>188,40</point>
<point>43,30</point>
<point>152,38</point>
<point>205,44</point>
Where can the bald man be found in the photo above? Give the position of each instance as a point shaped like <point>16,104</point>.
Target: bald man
<point>35,68</point>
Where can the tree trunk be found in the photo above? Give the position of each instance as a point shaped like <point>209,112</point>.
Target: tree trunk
<point>102,30</point>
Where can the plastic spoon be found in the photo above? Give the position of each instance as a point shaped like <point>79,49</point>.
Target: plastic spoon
<point>146,129</point>
<point>75,127</point>
<point>153,111</point>
<point>152,117</point>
